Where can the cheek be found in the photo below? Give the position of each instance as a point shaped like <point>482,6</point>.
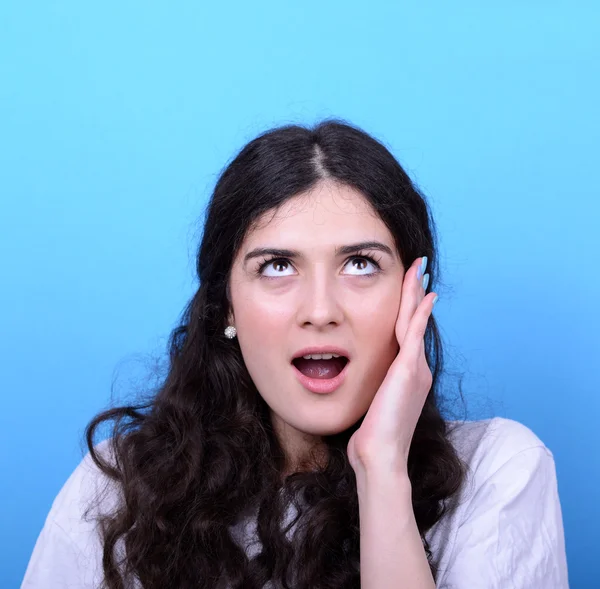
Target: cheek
<point>377,320</point>
<point>262,333</point>
<point>258,319</point>
<point>378,345</point>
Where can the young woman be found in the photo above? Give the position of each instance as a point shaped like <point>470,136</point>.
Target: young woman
<point>297,439</point>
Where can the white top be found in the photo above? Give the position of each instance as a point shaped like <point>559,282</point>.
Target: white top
<point>505,531</point>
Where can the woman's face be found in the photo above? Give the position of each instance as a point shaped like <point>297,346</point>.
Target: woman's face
<point>317,298</point>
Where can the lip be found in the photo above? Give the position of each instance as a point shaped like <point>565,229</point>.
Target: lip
<point>322,350</point>
<point>322,385</point>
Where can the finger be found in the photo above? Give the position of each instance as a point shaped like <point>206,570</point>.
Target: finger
<point>414,344</point>
<point>412,294</point>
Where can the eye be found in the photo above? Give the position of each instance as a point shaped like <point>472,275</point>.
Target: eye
<point>284,263</point>
<point>272,263</point>
<point>362,260</point>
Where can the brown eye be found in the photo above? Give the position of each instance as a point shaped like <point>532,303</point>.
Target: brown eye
<point>276,264</point>
<point>365,261</point>
<point>273,263</point>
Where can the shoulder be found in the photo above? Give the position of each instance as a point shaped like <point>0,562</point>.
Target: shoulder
<point>68,550</point>
<point>87,494</point>
<point>500,456</point>
<point>504,526</point>
<point>485,446</point>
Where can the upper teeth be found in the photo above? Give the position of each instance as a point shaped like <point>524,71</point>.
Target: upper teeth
<point>320,356</point>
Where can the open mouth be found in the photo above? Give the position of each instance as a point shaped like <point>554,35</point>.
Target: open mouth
<point>320,369</point>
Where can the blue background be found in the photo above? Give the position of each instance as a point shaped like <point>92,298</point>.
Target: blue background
<point>117,117</point>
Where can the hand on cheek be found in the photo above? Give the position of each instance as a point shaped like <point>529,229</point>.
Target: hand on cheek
<point>382,442</point>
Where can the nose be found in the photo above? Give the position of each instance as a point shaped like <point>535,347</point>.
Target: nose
<point>319,304</point>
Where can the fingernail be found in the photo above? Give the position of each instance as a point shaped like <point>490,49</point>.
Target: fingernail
<point>423,265</point>
<point>435,300</point>
<point>425,281</point>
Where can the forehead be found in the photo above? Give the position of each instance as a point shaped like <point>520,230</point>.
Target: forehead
<point>329,213</point>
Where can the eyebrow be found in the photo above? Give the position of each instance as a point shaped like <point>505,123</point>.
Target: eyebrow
<point>339,251</point>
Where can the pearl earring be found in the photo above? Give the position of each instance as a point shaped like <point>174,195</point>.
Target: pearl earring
<point>230,332</point>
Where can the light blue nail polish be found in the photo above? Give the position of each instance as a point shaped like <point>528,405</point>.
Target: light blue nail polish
<point>436,299</point>
<point>423,265</point>
<point>425,281</point>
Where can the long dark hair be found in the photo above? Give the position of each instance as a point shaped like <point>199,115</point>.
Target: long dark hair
<point>200,454</point>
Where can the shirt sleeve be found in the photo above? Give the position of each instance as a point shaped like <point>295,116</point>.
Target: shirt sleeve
<point>58,563</point>
<point>68,551</point>
<point>511,535</point>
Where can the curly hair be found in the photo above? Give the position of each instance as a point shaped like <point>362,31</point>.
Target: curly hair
<point>201,454</point>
